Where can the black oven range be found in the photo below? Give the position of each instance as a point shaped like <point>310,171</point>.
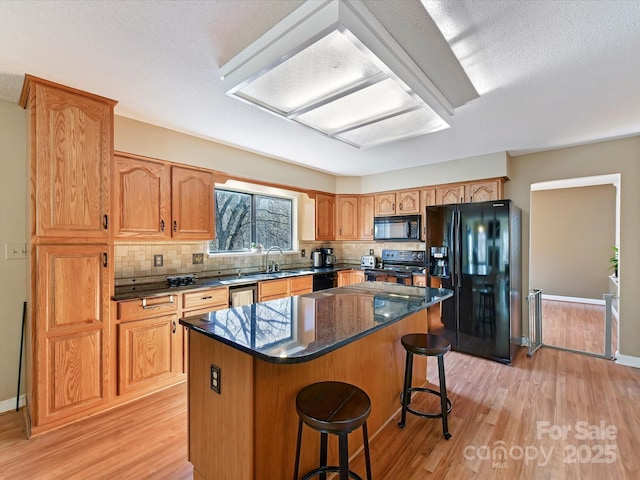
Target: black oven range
<point>398,266</point>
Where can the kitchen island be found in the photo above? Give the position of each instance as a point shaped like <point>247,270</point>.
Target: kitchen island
<point>247,364</point>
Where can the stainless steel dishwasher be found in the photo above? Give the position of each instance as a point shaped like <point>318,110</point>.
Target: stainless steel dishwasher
<point>242,295</point>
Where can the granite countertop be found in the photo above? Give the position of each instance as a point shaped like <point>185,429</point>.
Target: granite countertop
<point>302,328</point>
<point>139,290</point>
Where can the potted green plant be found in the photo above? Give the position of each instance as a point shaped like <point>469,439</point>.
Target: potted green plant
<point>256,247</point>
<point>613,261</point>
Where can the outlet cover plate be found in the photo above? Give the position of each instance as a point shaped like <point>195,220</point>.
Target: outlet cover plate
<point>215,378</point>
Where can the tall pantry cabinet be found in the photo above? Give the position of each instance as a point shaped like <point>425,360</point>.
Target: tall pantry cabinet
<point>71,267</point>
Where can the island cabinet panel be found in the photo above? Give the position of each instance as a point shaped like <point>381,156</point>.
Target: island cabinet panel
<point>365,216</point>
<point>325,217</point>
<point>71,150</point>
<point>248,431</point>
<point>149,353</point>
<point>71,332</point>
<point>221,432</point>
<point>142,198</point>
<point>192,206</point>
<point>347,217</point>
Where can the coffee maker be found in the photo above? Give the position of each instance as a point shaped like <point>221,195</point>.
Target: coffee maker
<point>439,262</point>
<point>328,258</point>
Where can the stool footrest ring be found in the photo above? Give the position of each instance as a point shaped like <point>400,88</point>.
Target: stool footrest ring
<point>320,470</point>
<point>423,414</point>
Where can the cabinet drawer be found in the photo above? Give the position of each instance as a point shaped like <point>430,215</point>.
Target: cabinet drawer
<point>273,287</point>
<point>301,285</point>
<point>213,297</point>
<point>147,307</point>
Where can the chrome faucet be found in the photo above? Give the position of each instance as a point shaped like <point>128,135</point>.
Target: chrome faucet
<point>275,267</point>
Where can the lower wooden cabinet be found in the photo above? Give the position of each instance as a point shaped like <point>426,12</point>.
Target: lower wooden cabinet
<point>284,287</point>
<point>150,344</point>
<point>349,277</point>
<point>149,353</point>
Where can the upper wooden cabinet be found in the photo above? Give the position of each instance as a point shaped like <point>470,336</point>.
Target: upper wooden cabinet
<point>427,198</point>
<point>483,191</point>
<point>449,194</point>
<point>397,203</point>
<point>71,155</point>
<point>142,198</point>
<point>192,207</point>
<point>365,217</point>
<point>156,200</point>
<point>347,217</point>
<point>325,216</point>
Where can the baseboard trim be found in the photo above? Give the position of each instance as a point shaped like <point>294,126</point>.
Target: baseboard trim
<point>560,298</point>
<point>10,404</point>
<point>628,361</point>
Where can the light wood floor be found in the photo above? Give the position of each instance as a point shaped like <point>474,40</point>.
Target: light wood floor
<point>578,326</point>
<point>493,405</point>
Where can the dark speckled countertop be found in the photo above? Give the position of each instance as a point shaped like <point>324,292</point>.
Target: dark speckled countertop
<point>139,290</point>
<point>301,328</point>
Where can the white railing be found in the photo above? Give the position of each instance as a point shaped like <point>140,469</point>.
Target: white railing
<point>535,320</point>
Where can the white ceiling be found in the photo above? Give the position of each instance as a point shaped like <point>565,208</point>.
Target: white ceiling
<point>549,73</point>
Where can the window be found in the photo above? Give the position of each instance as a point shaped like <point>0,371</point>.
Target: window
<point>243,218</point>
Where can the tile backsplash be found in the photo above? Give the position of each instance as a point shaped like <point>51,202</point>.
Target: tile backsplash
<point>135,261</point>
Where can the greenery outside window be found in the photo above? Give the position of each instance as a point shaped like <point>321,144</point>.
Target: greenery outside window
<point>245,218</point>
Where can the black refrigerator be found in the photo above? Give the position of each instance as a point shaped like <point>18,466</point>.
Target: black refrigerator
<point>474,250</point>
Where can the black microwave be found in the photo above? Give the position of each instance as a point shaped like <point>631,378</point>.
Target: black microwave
<point>397,228</point>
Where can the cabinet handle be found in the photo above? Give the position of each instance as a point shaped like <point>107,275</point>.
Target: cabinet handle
<point>105,260</point>
<point>162,225</point>
<point>393,206</point>
<point>175,225</point>
<point>400,206</point>
<point>147,307</point>
<point>105,221</point>
<point>206,298</point>
<point>174,326</point>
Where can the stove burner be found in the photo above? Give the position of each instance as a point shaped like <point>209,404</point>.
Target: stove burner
<point>181,280</point>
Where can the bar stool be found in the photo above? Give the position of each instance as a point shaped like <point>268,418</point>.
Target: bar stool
<point>337,408</point>
<point>431,346</point>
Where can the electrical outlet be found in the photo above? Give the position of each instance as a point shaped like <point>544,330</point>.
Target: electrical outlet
<point>158,260</point>
<point>303,253</point>
<point>371,251</point>
<point>215,378</point>
<point>197,258</point>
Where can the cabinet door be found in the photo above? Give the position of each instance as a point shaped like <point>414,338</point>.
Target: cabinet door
<point>325,217</point>
<point>142,196</point>
<point>483,192</point>
<point>192,206</point>
<point>347,215</point>
<point>148,352</point>
<point>272,289</point>
<point>71,331</point>
<point>301,285</point>
<point>385,204</point>
<point>365,217</point>
<point>449,194</point>
<point>427,198</point>
<point>408,202</point>
<point>72,146</point>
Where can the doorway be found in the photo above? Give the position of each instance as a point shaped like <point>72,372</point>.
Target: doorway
<point>574,227</point>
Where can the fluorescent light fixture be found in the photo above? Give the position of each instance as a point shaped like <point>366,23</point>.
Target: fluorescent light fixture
<point>332,66</point>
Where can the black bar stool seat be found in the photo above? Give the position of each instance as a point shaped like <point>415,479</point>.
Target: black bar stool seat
<point>333,408</point>
<point>430,346</point>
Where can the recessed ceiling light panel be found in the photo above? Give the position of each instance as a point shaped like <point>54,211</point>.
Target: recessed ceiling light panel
<point>332,66</point>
